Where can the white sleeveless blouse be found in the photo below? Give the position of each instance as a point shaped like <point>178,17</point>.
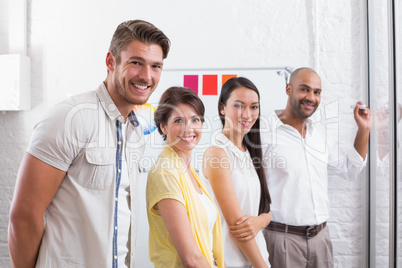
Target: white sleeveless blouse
<point>248,191</point>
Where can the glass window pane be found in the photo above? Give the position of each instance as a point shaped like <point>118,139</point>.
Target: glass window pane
<point>398,57</point>
<point>380,134</point>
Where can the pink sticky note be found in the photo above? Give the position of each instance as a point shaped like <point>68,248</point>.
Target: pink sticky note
<point>191,81</point>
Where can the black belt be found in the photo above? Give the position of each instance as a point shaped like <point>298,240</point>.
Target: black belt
<point>306,231</point>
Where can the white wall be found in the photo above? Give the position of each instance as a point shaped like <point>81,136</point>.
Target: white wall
<point>68,41</point>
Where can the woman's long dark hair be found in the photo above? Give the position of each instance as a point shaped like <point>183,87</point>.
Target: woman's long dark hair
<point>252,140</point>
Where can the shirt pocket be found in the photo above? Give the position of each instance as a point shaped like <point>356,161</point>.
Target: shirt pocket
<point>100,169</point>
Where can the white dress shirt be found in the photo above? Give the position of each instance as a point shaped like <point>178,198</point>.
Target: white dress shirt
<point>297,170</point>
<point>123,212</point>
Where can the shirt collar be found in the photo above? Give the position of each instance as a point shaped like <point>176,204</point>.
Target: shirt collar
<point>110,107</point>
<point>275,122</point>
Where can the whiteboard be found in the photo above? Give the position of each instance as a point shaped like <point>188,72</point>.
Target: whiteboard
<point>271,83</point>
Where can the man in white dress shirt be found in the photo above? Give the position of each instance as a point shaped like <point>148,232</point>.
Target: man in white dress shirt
<point>298,155</point>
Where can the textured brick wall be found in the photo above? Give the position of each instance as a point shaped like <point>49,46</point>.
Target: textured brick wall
<point>3,26</point>
<point>341,53</point>
<point>68,43</point>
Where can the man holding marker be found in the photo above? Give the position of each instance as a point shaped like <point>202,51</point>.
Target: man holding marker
<point>297,235</point>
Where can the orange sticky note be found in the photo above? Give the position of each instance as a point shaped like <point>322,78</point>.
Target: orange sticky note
<point>226,77</point>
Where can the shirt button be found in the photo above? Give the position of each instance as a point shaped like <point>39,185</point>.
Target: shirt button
<point>119,170</point>
<point>100,160</point>
<point>119,143</point>
<point>115,257</point>
<point>115,199</point>
<point>115,227</point>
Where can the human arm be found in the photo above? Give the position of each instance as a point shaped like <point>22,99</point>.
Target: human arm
<point>364,122</point>
<point>248,226</point>
<point>36,185</point>
<point>176,220</point>
<point>349,162</point>
<point>216,169</point>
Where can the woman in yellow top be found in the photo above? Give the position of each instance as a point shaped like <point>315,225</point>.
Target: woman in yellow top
<point>184,224</point>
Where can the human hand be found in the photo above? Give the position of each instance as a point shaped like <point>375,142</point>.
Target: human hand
<point>363,118</point>
<point>247,227</point>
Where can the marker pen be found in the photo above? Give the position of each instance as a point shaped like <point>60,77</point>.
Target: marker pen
<point>361,106</point>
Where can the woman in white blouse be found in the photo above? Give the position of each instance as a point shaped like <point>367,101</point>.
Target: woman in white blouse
<point>233,168</point>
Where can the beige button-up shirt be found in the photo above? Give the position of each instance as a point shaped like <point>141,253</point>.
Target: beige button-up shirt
<point>82,136</point>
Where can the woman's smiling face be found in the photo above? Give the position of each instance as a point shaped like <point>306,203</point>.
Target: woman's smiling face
<point>241,110</point>
<point>183,129</point>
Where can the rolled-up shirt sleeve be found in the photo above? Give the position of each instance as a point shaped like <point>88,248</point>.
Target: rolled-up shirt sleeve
<point>346,163</point>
